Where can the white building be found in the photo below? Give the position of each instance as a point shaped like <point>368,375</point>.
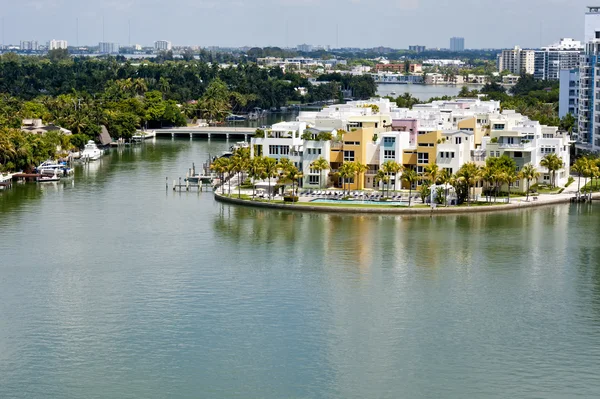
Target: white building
<point>162,45</point>
<point>528,142</point>
<point>29,45</point>
<point>299,144</point>
<point>57,44</point>
<point>108,48</point>
<point>517,61</point>
<point>552,59</point>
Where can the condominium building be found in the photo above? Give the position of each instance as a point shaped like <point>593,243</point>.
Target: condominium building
<point>528,142</point>
<point>108,48</point>
<point>57,44</point>
<point>517,61</point>
<point>549,61</point>
<point>457,44</point>
<point>29,45</point>
<point>569,93</point>
<point>162,45</point>
<point>399,68</point>
<point>588,125</point>
<point>417,49</point>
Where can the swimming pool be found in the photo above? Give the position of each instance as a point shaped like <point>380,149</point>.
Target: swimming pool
<point>359,202</point>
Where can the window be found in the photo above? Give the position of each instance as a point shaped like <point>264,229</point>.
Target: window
<point>422,157</point>
<point>351,142</point>
<point>458,140</point>
<point>389,154</point>
<point>348,156</point>
<point>425,144</point>
<point>498,126</point>
<point>389,140</point>
<point>518,154</point>
<point>279,150</point>
<point>449,170</point>
<point>313,179</point>
<point>420,169</point>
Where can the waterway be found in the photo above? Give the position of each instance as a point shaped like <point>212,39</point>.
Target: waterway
<point>422,92</point>
<point>113,287</point>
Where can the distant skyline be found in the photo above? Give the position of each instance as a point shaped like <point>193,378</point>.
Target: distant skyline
<point>343,23</point>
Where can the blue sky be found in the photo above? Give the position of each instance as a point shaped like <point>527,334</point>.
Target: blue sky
<point>360,23</point>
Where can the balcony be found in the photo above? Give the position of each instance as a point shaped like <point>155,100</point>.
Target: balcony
<point>516,146</point>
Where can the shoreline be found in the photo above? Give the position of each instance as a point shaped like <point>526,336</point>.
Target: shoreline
<point>383,210</point>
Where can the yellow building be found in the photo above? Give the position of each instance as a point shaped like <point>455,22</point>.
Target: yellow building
<point>424,155</point>
<point>358,145</point>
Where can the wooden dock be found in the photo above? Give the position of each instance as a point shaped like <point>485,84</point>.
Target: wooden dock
<point>223,132</point>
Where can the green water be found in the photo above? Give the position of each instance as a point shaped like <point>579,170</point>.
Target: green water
<point>113,287</point>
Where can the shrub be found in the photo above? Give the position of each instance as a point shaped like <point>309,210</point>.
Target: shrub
<point>290,198</point>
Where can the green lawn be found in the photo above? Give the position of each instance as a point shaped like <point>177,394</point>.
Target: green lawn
<point>595,187</point>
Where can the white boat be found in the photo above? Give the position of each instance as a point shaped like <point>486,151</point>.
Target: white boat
<point>48,179</point>
<point>393,93</point>
<point>91,152</point>
<point>49,168</point>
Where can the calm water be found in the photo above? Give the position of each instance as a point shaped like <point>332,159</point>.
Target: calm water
<point>113,287</point>
<point>422,92</point>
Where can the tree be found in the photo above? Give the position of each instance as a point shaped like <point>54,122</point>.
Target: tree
<point>529,173</point>
<point>219,167</point>
<point>552,162</point>
<point>445,178</point>
<point>359,169</point>
<point>292,175</point>
<point>391,168</point>
<point>241,164</point>
<point>469,173</point>
<point>432,173</point>
<point>346,171</point>
<point>382,177</point>
<point>320,165</point>
<point>256,170</point>
<point>214,104</point>
<point>270,170</point>
<point>410,176</point>
<point>580,167</point>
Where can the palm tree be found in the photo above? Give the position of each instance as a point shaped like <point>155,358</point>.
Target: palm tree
<point>528,173</point>
<point>359,169</point>
<point>552,162</point>
<point>292,175</point>
<point>510,177</point>
<point>432,173</point>
<point>218,166</point>
<point>579,167</point>
<point>240,164</point>
<point>270,170</point>
<point>410,176</point>
<point>391,167</point>
<point>469,173</point>
<point>321,164</point>
<point>445,178</point>
<point>488,175</point>
<point>346,171</point>
<point>381,176</point>
<point>256,171</point>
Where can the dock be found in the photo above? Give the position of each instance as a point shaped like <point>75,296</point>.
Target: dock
<point>6,181</point>
<point>224,132</point>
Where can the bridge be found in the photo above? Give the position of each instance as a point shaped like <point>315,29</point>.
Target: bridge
<point>225,132</point>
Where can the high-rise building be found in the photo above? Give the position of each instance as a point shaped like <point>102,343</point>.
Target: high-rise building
<point>568,102</point>
<point>162,45</point>
<point>57,44</point>
<point>108,48</point>
<point>417,48</point>
<point>588,123</point>
<point>29,45</point>
<point>457,44</point>
<point>549,61</point>
<point>517,61</point>
<point>304,48</point>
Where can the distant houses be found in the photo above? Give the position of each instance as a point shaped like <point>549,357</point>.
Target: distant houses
<point>36,126</point>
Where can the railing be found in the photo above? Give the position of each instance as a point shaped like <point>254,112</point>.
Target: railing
<point>517,146</point>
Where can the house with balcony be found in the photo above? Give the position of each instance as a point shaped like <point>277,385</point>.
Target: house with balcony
<point>528,142</point>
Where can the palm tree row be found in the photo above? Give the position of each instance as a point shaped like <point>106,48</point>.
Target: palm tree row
<point>257,168</point>
<point>589,168</point>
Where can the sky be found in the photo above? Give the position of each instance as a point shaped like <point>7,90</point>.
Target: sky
<point>287,23</point>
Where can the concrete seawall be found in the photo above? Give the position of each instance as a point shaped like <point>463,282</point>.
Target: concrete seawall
<point>439,211</point>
